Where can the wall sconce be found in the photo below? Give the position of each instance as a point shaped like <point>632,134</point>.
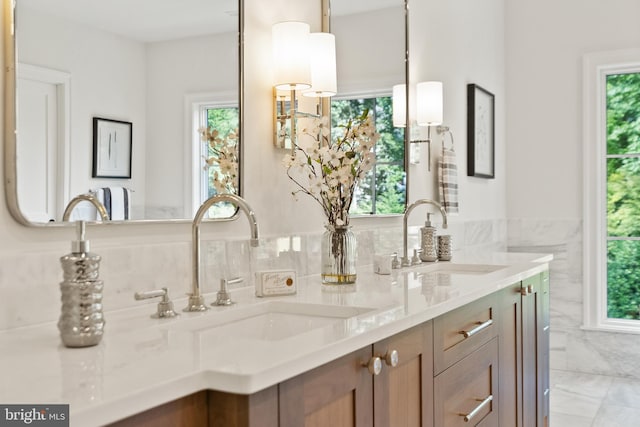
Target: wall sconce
<point>304,62</point>
<point>428,107</point>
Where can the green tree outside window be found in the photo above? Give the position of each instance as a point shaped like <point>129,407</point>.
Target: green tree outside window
<point>623,196</point>
<point>383,192</point>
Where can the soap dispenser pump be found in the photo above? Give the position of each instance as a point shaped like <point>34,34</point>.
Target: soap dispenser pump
<point>81,321</point>
<point>428,241</point>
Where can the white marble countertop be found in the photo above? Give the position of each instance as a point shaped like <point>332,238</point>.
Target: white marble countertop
<point>143,362</point>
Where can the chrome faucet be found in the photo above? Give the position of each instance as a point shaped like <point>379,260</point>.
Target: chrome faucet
<point>406,261</point>
<point>196,300</point>
<point>88,198</point>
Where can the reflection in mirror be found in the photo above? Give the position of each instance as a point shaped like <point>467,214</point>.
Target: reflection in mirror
<point>370,49</point>
<point>168,69</point>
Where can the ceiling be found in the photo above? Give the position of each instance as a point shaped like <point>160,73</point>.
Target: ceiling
<point>155,20</point>
<point>348,7</point>
<point>145,20</point>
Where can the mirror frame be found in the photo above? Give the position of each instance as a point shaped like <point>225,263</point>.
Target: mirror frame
<point>10,125</point>
<point>326,102</point>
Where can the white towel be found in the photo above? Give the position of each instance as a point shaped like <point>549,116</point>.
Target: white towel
<point>116,200</point>
<point>448,181</point>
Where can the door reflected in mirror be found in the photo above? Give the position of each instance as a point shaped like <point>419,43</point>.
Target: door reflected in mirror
<point>170,69</point>
<point>370,50</point>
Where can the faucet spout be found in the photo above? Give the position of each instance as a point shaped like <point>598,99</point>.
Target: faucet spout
<point>196,300</point>
<point>88,198</point>
<point>405,259</point>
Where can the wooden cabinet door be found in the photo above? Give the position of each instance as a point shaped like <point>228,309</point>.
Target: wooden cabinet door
<point>338,394</point>
<point>460,332</point>
<point>466,394</point>
<point>403,395</point>
<point>187,411</point>
<point>510,356</point>
<point>543,336</point>
<point>535,345</point>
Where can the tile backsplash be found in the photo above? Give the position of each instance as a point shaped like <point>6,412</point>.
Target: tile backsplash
<point>29,282</point>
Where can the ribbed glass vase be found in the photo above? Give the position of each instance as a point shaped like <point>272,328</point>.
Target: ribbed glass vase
<point>338,256</point>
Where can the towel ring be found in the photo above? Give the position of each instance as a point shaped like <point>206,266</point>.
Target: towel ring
<point>446,130</point>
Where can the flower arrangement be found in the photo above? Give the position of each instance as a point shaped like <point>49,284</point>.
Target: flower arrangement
<point>223,152</point>
<point>328,170</point>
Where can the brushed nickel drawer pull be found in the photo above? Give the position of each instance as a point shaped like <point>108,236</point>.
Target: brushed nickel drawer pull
<point>483,403</point>
<point>480,327</point>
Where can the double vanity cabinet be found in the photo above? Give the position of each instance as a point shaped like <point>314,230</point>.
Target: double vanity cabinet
<point>485,363</point>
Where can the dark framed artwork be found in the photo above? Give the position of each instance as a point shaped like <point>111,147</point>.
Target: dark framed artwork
<point>480,132</point>
<point>111,148</point>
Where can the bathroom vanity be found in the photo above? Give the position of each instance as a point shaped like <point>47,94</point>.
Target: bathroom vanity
<point>431,345</point>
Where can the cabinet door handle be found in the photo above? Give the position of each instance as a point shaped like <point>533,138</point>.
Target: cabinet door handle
<point>483,402</point>
<point>391,358</point>
<point>374,366</point>
<point>526,291</point>
<point>480,327</point>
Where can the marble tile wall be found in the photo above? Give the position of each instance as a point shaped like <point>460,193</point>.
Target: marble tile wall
<point>31,295</point>
<point>573,348</point>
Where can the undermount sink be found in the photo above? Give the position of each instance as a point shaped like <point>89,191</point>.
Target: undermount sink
<point>269,321</point>
<point>453,268</point>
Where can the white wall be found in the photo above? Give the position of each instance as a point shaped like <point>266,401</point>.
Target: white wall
<point>118,78</point>
<point>91,56</point>
<point>175,69</point>
<point>374,61</point>
<point>545,43</point>
<point>459,43</point>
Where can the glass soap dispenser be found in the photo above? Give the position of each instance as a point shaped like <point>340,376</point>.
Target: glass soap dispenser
<point>428,241</point>
<point>81,321</point>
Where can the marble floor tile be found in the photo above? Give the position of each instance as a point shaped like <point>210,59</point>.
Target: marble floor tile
<point>589,400</point>
<point>624,392</point>
<point>617,416</point>
<point>558,419</point>
<point>577,394</point>
<point>580,383</point>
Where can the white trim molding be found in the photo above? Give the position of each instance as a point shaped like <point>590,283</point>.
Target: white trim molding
<point>62,81</point>
<point>596,68</point>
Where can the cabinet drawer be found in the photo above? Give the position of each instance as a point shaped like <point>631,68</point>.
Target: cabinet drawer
<point>466,394</point>
<point>460,332</point>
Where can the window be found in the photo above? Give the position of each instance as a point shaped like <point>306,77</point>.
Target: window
<point>612,191</point>
<point>623,195</point>
<point>217,111</point>
<point>383,191</point>
<point>225,121</point>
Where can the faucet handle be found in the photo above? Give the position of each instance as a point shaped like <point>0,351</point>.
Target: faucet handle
<point>416,257</point>
<point>223,297</point>
<point>395,261</point>
<point>165,306</point>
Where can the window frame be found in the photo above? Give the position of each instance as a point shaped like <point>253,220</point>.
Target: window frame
<point>194,104</point>
<point>596,68</point>
<point>378,93</point>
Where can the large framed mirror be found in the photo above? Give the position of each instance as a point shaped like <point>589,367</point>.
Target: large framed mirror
<point>371,57</point>
<point>113,97</point>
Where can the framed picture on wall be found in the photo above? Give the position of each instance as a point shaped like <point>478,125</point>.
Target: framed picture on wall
<point>111,148</point>
<point>480,132</point>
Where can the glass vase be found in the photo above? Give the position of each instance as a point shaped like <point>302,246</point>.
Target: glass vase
<point>338,256</point>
